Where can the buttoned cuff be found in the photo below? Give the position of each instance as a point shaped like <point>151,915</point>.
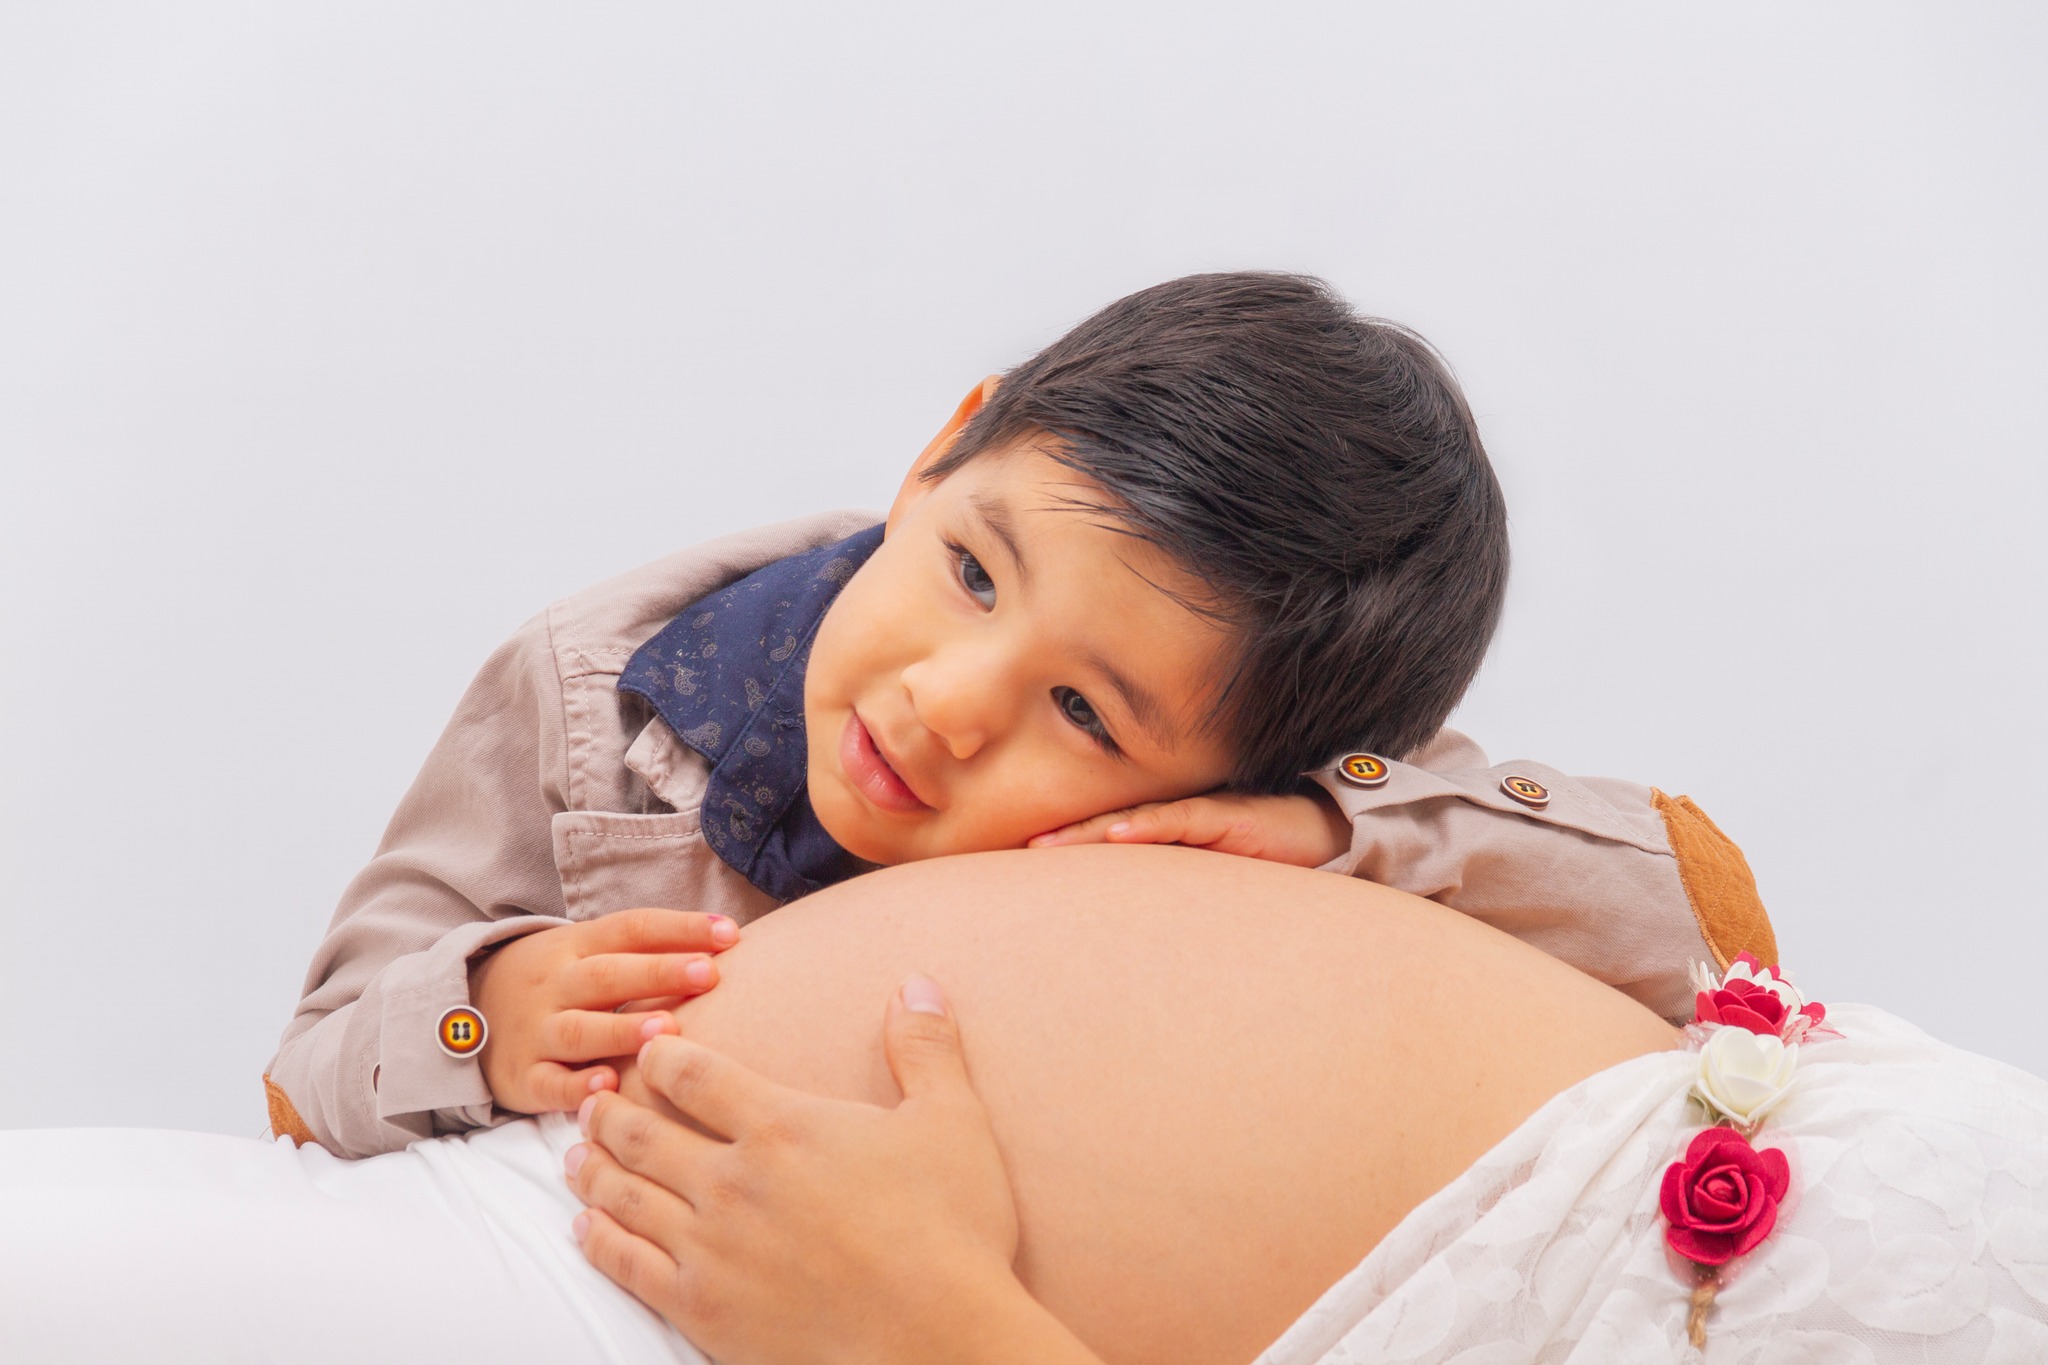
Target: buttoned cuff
<point>1364,785</point>
<point>414,1076</point>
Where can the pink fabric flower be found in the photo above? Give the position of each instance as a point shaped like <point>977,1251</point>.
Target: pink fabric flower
<point>1722,1198</point>
<point>1741,1004</point>
<point>1754,997</point>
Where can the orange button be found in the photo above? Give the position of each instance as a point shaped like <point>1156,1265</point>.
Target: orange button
<point>1364,770</point>
<point>461,1032</point>
<point>1526,790</point>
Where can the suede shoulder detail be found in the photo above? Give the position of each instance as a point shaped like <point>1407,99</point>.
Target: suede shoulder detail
<point>284,1119</point>
<point>1718,882</point>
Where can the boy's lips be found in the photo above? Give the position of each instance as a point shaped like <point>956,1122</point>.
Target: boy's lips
<point>870,771</point>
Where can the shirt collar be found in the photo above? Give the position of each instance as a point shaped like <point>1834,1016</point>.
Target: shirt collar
<point>727,675</point>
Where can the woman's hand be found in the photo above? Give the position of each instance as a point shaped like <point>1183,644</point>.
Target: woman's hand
<point>811,1229</point>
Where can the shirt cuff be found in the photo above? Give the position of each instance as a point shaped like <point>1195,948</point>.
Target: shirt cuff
<point>414,1076</point>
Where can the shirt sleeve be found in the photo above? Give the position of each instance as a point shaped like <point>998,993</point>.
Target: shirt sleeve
<point>466,863</point>
<point>1625,883</point>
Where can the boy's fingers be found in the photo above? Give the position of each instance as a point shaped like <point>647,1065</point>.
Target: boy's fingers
<point>1090,831</point>
<point>644,1007</point>
<point>554,1088</point>
<point>592,1035</point>
<point>709,1086</point>
<point>1224,823</point>
<point>606,979</point>
<point>1160,823</point>
<point>649,930</point>
<point>1197,821</point>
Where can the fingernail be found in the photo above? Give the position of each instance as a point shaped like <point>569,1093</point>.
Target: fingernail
<point>597,1082</point>
<point>724,932</point>
<point>698,974</point>
<point>655,1027</point>
<point>642,1055</point>
<point>1120,827</point>
<point>583,1115</point>
<point>572,1160</point>
<point>580,1228</point>
<point>921,995</point>
<point>1038,841</point>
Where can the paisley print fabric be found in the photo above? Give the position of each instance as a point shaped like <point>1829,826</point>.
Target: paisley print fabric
<point>727,675</point>
<point>1916,1228</point>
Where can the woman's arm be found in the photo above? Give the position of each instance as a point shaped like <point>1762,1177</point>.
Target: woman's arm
<point>1216,1083</point>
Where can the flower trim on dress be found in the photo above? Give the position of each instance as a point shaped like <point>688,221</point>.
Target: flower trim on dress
<point>1755,998</point>
<point>1720,1200</point>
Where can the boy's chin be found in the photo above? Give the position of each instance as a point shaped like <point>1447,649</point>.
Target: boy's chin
<point>883,842</point>
<point>843,818</point>
<point>874,838</point>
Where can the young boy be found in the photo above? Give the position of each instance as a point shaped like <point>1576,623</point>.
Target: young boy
<point>1205,570</point>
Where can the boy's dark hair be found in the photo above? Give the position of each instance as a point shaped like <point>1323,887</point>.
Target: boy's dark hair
<point>1318,470</point>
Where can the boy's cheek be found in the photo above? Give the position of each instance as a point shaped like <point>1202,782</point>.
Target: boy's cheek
<point>1011,823</point>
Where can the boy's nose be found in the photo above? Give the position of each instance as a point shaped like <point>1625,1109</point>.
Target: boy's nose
<point>958,698</point>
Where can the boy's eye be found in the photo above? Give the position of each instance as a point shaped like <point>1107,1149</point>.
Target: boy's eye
<point>1075,708</point>
<point>975,579</point>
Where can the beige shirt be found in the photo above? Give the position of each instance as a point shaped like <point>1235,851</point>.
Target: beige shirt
<point>552,797</point>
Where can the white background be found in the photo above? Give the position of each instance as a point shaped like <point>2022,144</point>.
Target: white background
<point>335,340</point>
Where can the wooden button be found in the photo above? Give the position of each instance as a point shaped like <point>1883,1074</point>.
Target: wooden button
<point>1364,770</point>
<point>461,1032</point>
<point>1526,790</point>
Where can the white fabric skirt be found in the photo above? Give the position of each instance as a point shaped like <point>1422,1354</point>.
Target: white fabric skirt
<point>138,1245</point>
<point>1915,1230</point>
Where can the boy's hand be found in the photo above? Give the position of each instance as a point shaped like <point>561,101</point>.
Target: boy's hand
<point>1306,831</point>
<point>548,999</point>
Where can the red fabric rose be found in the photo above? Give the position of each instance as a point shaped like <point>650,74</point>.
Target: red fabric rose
<point>1722,1199</point>
<point>1741,1004</point>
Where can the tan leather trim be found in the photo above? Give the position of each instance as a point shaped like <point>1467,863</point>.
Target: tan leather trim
<point>1718,882</point>
<point>284,1119</point>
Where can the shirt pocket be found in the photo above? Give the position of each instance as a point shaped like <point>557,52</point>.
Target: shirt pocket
<point>610,862</point>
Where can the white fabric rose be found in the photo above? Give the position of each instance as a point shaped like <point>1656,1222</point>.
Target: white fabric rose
<point>1745,1075</point>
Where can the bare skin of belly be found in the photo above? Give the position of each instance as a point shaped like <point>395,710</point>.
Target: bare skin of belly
<point>1217,1082</point>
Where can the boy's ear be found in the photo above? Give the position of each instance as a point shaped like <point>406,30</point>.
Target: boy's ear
<point>914,484</point>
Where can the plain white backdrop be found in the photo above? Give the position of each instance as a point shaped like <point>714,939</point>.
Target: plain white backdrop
<point>335,340</point>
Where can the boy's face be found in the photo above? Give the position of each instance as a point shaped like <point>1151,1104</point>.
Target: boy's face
<point>1002,666</point>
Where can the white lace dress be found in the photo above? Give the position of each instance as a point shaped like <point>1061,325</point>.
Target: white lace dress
<point>1916,1228</point>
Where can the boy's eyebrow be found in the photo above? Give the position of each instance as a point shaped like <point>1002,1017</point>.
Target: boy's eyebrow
<point>997,514</point>
<point>1143,706</point>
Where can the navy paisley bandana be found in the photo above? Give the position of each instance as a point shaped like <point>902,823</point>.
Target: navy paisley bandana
<point>727,675</point>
